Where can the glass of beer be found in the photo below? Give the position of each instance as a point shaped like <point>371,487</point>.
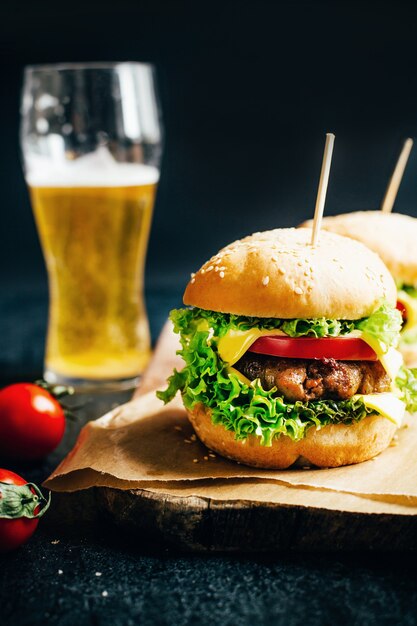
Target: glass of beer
<point>91,143</point>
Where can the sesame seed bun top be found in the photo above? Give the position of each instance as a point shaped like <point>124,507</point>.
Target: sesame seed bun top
<point>391,235</point>
<point>278,273</point>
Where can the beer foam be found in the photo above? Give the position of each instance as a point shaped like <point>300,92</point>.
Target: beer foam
<point>97,169</point>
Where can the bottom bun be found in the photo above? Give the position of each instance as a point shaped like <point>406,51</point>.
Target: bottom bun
<point>331,446</point>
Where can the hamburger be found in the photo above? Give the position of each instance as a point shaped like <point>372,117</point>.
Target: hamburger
<point>394,237</point>
<point>290,352</point>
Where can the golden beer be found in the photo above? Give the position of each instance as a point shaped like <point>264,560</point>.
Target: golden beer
<point>94,240</point>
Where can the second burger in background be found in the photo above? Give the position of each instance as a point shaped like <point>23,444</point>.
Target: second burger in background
<point>394,237</point>
<point>290,351</point>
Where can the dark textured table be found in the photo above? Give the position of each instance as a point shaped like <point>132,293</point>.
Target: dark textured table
<point>80,575</point>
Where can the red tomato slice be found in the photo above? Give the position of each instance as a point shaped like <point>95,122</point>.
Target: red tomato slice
<point>339,348</point>
<point>402,310</point>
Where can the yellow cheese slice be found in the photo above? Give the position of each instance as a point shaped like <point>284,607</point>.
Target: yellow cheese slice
<point>386,404</point>
<point>233,345</point>
<point>239,375</point>
<point>410,304</point>
<point>391,361</point>
<point>390,358</point>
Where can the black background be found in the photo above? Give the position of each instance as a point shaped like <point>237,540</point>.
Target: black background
<point>248,91</point>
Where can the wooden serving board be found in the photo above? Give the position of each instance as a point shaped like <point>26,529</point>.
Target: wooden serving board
<point>230,515</point>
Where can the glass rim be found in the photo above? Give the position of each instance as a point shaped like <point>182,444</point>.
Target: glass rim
<point>88,65</point>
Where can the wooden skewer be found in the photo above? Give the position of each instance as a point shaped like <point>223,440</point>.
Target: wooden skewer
<point>321,193</point>
<point>395,181</point>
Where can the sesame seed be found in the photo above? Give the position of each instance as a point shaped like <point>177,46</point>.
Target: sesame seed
<point>213,456</point>
<point>221,274</point>
<point>205,458</point>
<point>192,281</point>
<point>60,571</point>
<point>298,291</point>
<point>274,258</point>
<point>193,437</point>
<point>265,280</point>
<point>192,274</point>
<point>104,594</point>
<point>187,441</point>
<point>216,269</point>
<point>209,268</point>
<point>281,270</point>
<point>98,573</point>
<point>195,460</point>
<point>222,268</point>
<point>202,271</point>
<point>177,428</point>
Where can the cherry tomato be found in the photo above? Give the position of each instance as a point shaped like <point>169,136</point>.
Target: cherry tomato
<point>16,529</point>
<point>339,348</point>
<point>32,422</point>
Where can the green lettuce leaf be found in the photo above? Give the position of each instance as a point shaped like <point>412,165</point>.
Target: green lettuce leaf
<point>385,324</point>
<point>319,327</point>
<point>249,409</point>
<point>409,289</point>
<point>406,383</point>
<point>408,337</point>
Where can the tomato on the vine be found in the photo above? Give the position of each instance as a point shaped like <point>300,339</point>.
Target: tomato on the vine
<point>32,422</point>
<point>21,505</point>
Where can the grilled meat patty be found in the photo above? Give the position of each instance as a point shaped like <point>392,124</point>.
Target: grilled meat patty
<point>302,379</point>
